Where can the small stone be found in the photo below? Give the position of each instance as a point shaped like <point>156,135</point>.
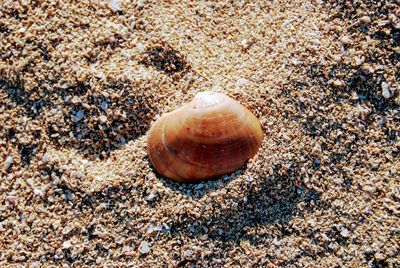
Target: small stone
<point>337,83</point>
<point>9,161</point>
<point>365,20</point>
<point>99,260</point>
<point>66,245</point>
<point>78,116</point>
<point>158,228</point>
<point>333,247</point>
<point>144,247</point>
<point>249,178</point>
<point>38,192</point>
<point>104,105</point>
<point>46,158</point>
<point>151,197</point>
<point>114,5</point>
<point>100,207</point>
<point>69,196</point>
<point>379,256</point>
<point>150,228</point>
<point>12,199</point>
<point>187,254</point>
<point>316,150</point>
<point>345,40</point>
<point>358,60</point>
<point>103,119</point>
<point>140,4</point>
<point>344,232</point>
<point>85,105</point>
<point>385,90</point>
<point>30,182</point>
<point>67,229</point>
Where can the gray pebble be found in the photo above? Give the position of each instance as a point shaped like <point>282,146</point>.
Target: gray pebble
<point>144,247</point>
<point>78,116</point>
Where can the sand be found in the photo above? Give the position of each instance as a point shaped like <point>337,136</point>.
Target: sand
<point>81,82</point>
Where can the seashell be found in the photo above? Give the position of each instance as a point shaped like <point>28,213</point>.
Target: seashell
<point>208,137</point>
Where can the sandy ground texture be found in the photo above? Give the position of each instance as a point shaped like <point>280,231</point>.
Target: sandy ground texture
<point>82,81</point>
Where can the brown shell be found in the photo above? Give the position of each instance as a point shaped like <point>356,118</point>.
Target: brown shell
<point>208,137</point>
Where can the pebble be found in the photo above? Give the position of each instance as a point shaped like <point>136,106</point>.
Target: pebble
<point>67,229</point>
<point>337,83</point>
<point>187,254</point>
<point>151,197</point>
<point>317,149</point>
<point>365,19</point>
<point>66,244</point>
<point>345,40</point>
<point>46,158</point>
<point>249,178</point>
<point>30,182</point>
<point>344,232</point>
<point>104,105</point>
<point>144,247</point>
<point>140,4</point>
<point>103,119</point>
<point>385,90</point>
<point>9,161</point>
<point>115,5</point>
<point>12,199</point>
<point>333,247</point>
<point>379,256</point>
<point>69,196</point>
<point>78,116</point>
<point>38,192</point>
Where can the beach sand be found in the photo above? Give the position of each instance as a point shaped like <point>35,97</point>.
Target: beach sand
<point>81,82</point>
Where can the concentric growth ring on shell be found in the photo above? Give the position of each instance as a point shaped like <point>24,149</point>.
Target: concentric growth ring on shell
<point>208,137</point>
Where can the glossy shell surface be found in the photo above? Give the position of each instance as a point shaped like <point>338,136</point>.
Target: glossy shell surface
<point>208,137</point>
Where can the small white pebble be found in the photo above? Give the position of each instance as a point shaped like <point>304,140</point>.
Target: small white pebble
<point>150,228</point>
<point>365,20</point>
<point>144,247</point>
<point>38,192</point>
<point>345,40</point>
<point>316,150</point>
<point>103,119</point>
<point>46,158</point>
<point>115,5</point>
<point>140,4</point>
<point>379,256</point>
<point>385,90</point>
<point>358,60</point>
<point>151,197</point>
<point>67,229</point>
<point>30,182</point>
<point>66,244</point>
<point>344,232</point>
<point>9,161</point>
<point>158,228</point>
<point>249,178</point>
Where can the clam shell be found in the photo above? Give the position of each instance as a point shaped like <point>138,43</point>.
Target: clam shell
<point>208,137</point>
